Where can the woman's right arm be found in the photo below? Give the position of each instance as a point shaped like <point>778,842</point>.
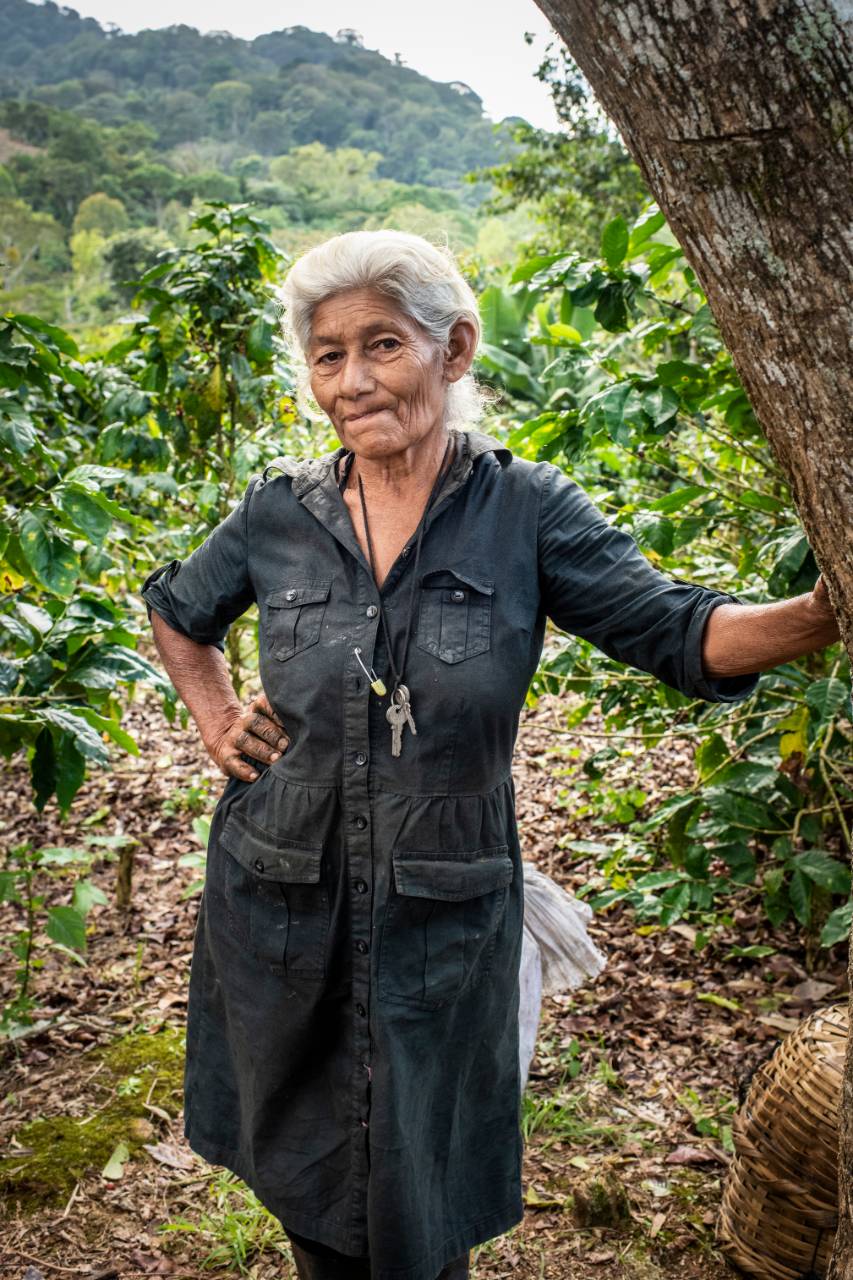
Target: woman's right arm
<point>199,673</point>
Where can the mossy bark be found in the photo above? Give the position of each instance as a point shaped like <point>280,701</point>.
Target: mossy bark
<point>739,114</point>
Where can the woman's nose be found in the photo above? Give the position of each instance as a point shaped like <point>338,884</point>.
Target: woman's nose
<point>354,376</point>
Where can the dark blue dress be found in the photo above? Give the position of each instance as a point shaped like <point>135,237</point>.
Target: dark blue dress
<point>352,1039</point>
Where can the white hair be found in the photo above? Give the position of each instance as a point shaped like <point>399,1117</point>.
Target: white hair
<point>422,278</point>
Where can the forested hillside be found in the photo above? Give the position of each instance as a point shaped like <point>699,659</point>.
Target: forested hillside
<point>110,142</point>
<point>271,94</point>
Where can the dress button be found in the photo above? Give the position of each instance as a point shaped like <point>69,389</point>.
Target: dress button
<point>371,611</point>
<point>360,886</point>
<point>259,864</point>
<point>291,595</point>
<point>360,821</point>
<point>361,945</point>
<point>360,757</point>
<point>361,1011</point>
<point>457,595</point>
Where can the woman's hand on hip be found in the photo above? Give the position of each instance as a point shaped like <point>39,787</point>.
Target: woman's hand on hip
<point>256,732</point>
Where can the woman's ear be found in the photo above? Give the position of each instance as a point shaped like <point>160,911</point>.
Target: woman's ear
<point>461,349</point>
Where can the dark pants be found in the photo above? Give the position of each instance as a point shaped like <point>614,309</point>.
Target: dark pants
<point>315,1261</point>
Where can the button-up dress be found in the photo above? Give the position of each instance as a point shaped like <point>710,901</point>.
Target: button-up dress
<point>352,1030</point>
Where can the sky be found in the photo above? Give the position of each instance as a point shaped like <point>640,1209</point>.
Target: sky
<point>483,45</point>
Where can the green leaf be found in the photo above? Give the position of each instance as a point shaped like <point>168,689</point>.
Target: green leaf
<point>822,868</point>
<point>611,310</point>
<point>760,501</point>
<point>649,221</point>
<point>61,856</point>
<point>66,926</point>
<point>90,474</point>
<point>661,404</point>
<point>564,333</point>
<point>741,811</point>
<point>83,512</point>
<point>800,894</point>
<point>740,861</point>
<point>722,1002</point>
<point>87,895</point>
<point>43,769</point>
<point>527,270</point>
<point>35,326</point>
<point>614,241</point>
<point>837,927</point>
<point>70,772</point>
<point>10,674</point>
<point>710,754</point>
<point>676,900</point>
<point>119,350</point>
<point>85,739</point>
<point>677,499</point>
<point>514,371</point>
<point>112,729</point>
<point>259,344</point>
<point>827,698</point>
<point>498,315</point>
<point>53,561</point>
<point>654,532</point>
<point>17,431</point>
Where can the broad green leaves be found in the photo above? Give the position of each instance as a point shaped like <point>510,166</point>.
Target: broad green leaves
<point>644,407</point>
<point>614,242</point>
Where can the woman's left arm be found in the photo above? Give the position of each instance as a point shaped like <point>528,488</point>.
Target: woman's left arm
<point>739,639</point>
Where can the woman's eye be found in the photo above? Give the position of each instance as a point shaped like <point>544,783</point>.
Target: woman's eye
<point>388,344</point>
<point>328,357</point>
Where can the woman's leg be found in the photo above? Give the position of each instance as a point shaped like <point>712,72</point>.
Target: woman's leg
<point>457,1269</point>
<point>315,1261</point>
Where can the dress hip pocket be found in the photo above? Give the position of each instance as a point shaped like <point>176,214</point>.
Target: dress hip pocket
<point>277,901</point>
<point>441,924</point>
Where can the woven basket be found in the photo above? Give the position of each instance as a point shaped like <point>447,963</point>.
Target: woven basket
<point>779,1209</point>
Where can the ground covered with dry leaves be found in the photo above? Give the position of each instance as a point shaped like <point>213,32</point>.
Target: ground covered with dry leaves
<point>631,1091</point>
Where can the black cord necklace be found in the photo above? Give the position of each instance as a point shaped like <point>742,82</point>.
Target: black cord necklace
<point>399,713</point>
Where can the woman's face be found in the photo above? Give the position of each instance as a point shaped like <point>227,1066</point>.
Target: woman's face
<point>378,376</point>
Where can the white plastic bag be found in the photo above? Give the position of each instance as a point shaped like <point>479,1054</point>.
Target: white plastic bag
<point>557,953</point>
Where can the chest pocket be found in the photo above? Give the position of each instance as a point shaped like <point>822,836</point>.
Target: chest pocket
<point>454,614</point>
<point>441,924</point>
<point>293,616</point>
<point>276,900</point>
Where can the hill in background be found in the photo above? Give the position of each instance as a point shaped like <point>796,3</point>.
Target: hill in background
<point>265,96</point>
<point>111,142</point>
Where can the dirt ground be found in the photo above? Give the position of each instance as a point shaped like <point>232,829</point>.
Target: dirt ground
<point>634,1082</point>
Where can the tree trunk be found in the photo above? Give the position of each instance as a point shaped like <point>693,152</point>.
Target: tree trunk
<point>739,114</point>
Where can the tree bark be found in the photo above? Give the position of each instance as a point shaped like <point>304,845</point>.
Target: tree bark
<point>739,114</point>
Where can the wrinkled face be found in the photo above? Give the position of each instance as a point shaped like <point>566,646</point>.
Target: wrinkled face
<point>375,372</point>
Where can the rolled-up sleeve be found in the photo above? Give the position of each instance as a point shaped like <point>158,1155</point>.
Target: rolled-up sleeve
<point>596,583</point>
<point>202,595</point>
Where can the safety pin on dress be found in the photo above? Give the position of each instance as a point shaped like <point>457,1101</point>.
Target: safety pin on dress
<point>375,683</point>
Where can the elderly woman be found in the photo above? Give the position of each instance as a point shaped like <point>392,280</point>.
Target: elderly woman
<point>352,1046</point>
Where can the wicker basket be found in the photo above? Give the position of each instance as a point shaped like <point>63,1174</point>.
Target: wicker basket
<point>779,1209</point>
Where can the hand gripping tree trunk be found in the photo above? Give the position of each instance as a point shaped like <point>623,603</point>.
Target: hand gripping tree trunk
<point>739,114</point>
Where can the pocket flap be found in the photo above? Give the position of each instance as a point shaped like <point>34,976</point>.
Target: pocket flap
<point>452,578</point>
<point>299,593</point>
<point>451,877</point>
<point>270,856</point>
